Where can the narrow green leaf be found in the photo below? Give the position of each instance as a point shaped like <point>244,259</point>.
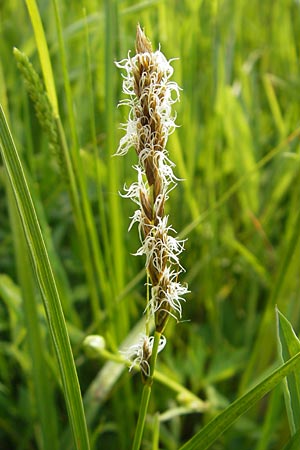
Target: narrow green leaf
<point>215,428</point>
<point>240,144</point>
<point>289,345</point>
<point>43,52</point>
<point>268,84</point>
<point>45,277</point>
<point>251,259</point>
<point>114,165</point>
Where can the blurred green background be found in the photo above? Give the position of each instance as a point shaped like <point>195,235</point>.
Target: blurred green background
<point>237,152</point>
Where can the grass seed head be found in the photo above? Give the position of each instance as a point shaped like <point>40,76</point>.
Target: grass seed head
<point>150,96</point>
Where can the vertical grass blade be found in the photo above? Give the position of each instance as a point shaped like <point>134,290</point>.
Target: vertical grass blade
<point>43,52</point>
<point>289,345</point>
<point>47,286</point>
<point>113,165</point>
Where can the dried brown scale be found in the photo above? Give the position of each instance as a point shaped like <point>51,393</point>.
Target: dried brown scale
<point>161,316</point>
<point>147,208</point>
<point>157,186</point>
<point>154,274</point>
<point>147,351</point>
<point>163,308</point>
<point>160,211</point>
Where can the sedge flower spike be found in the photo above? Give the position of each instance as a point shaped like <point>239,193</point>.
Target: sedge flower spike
<point>150,95</point>
<point>140,353</point>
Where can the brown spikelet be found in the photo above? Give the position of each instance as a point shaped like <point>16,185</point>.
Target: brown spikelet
<point>150,136</point>
<point>142,43</point>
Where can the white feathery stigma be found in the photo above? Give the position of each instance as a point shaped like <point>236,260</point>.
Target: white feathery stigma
<point>140,353</point>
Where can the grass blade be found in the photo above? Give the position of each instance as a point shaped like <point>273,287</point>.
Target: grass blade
<point>289,345</point>
<point>47,286</point>
<point>217,426</point>
<point>43,53</point>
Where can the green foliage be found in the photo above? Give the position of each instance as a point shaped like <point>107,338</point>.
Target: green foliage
<point>47,285</point>
<point>237,151</point>
<point>214,428</point>
<point>289,346</point>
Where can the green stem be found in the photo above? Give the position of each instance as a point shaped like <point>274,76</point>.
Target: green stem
<point>146,395</point>
<point>142,417</point>
<point>157,336</point>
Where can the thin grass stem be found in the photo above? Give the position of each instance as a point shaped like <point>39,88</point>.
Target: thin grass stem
<point>146,394</point>
<point>142,417</point>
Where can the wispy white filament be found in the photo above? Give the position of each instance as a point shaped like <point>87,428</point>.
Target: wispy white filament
<point>170,297</point>
<point>159,246</point>
<point>161,92</point>
<point>140,353</point>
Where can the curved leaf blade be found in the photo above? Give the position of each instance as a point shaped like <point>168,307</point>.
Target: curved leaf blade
<point>215,428</point>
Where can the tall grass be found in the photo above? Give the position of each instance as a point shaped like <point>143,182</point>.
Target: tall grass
<point>237,150</point>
